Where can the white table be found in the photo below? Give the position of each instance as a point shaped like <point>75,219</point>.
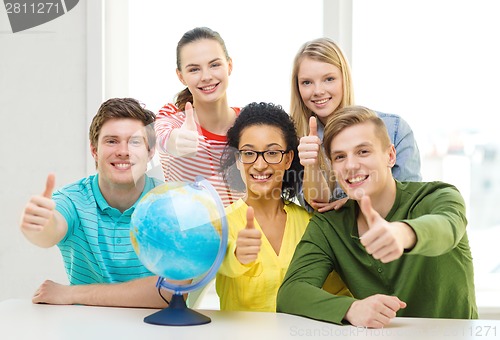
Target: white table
<point>20,319</point>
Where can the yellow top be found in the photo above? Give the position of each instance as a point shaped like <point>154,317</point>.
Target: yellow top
<point>253,287</point>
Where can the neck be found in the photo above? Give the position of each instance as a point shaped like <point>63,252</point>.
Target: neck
<point>215,117</point>
<point>267,207</point>
<point>382,202</point>
<point>121,196</point>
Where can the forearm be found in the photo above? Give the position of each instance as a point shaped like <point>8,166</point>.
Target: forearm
<point>315,185</point>
<point>170,145</point>
<point>315,303</point>
<point>136,293</point>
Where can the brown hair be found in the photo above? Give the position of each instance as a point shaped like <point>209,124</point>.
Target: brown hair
<point>198,33</point>
<point>349,116</point>
<point>116,108</point>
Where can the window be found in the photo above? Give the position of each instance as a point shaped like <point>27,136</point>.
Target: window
<point>261,36</point>
<point>435,63</point>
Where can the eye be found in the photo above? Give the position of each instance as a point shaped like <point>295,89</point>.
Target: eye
<point>273,153</point>
<point>364,152</point>
<point>306,83</point>
<point>136,142</point>
<point>214,65</point>
<point>338,158</point>
<point>193,69</point>
<point>330,79</point>
<point>110,141</point>
<point>248,153</point>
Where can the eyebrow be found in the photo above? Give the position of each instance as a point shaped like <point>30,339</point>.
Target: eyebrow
<point>364,144</point>
<point>118,136</point>
<point>268,145</point>
<point>211,61</point>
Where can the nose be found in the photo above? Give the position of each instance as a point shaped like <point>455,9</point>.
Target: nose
<point>318,89</point>
<point>206,74</point>
<point>260,163</point>
<point>351,162</point>
<point>122,149</point>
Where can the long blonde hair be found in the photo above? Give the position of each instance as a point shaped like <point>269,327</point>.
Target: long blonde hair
<point>326,51</point>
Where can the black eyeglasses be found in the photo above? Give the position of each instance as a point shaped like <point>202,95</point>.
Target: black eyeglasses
<point>270,156</point>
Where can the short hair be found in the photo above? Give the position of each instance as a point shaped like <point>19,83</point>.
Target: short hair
<point>121,108</point>
<point>197,33</point>
<point>262,114</point>
<point>350,116</point>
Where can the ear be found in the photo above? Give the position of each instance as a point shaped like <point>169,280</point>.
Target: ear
<point>179,75</point>
<point>236,161</point>
<point>230,66</point>
<point>151,153</point>
<point>289,159</point>
<point>93,151</point>
<point>392,156</point>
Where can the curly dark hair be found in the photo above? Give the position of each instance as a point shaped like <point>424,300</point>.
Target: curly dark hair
<point>263,114</point>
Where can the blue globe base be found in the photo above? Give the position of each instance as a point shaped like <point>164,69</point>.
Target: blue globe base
<point>177,314</point>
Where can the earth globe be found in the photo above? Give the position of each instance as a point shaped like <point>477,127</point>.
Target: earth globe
<point>179,232</point>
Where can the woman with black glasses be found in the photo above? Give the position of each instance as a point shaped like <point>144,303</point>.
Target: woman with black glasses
<point>265,225</point>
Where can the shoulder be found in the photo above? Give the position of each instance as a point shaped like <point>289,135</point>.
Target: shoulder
<point>397,127</point>
<point>237,110</point>
<point>297,210</point>
<point>168,110</point>
<point>82,187</point>
<point>154,181</point>
<point>75,198</point>
<point>237,206</point>
<point>435,191</point>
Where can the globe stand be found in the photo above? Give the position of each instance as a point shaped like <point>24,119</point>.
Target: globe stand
<point>177,314</point>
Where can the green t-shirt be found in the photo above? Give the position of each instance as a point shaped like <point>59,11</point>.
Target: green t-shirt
<point>435,278</point>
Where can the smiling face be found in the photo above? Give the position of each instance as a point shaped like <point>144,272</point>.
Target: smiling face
<point>263,180</point>
<point>121,153</point>
<point>320,87</point>
<point>204,70</point>
<point>362,165</point>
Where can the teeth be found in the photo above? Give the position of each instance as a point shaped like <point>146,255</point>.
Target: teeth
<point>260,177</point>
<point>122,165</point>
<point>356,179</point>
<point>208,88</point>
<point>322,101</point>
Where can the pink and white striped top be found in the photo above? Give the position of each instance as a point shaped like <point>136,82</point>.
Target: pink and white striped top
<point>206,163</point>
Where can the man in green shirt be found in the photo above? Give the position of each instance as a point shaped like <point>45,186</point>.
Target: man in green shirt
<point>400,247</point>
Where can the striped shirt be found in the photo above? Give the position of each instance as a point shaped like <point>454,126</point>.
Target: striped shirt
<point>96,247</point>
<point>206,163</point>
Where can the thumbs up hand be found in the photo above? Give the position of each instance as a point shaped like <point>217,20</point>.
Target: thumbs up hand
<point>39,212</point>
<point>385,241</point>
<point>248,241</point>
<point>186,137</point>
<point>310,145</point>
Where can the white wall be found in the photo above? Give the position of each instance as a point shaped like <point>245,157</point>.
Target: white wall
<point>43,120</point>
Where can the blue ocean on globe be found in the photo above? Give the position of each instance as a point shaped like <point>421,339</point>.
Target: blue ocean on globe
<point>176,230</point>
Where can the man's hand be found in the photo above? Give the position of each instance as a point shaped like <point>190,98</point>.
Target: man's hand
<point>385,241</point>
<point>186,137</point>
<point>39,212</point>
<point>248,241</point>
<point>53,293</point>
<point>375,311</point>
<point>310,145</point>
